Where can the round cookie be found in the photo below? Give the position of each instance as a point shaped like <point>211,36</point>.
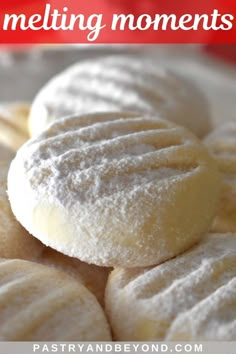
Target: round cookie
<point>115,188</point>
<point>93,277</point>
<point>120,83</point>
<point>14,124</point>
<point>15,242</point>
<point>189,298</point>
<point>39,303</point>
<point>222,144</point>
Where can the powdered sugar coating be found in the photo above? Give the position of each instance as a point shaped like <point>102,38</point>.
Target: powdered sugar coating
<point>191,297</point>
<point>44,304</point>
<point>222,144</point>
<point>115,188</point>
<point>120,83</point>
<point>15,241</point>
<point>92,277</point>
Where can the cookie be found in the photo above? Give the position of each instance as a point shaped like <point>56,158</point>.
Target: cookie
<point>93,277</point>
<point>222,144</point>
<point>120,83</point>
<point>115,189</point>
<point>39,303</point>
<point>15,241</point>
<point>189,298</point>
<point>14,124</point>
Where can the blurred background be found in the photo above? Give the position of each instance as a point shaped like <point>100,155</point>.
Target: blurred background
<point>24,70</point>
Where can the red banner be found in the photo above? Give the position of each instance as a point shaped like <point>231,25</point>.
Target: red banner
<point>118,21</point>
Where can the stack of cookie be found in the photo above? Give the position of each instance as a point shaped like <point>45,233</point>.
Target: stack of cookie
<point>125,229</point>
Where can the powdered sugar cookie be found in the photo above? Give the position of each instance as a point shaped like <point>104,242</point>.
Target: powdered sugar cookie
<point>39,303</point>
<point>14,124</point>
<point>222,144</point>
<point>115,188</point>
<point>15,242</point>
<point>120,83</point>
<point>93,277</point>
<point>191,297</point>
